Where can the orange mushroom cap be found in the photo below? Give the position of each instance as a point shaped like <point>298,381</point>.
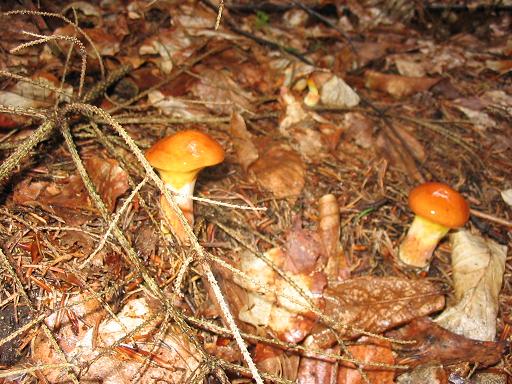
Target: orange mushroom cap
<point>181,156</point>
<point>439,203</point>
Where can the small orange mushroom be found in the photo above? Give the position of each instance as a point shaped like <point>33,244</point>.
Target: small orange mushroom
<point>179,158</point>
<point>438,208</point>
<point>313,96</point>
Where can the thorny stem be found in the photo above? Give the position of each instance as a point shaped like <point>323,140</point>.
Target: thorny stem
<point>114,222</point>
<point>314,353</point>
<point>73,40</point>
<point>38,136</point>
<point>66,20</point>
<point>152,284</point>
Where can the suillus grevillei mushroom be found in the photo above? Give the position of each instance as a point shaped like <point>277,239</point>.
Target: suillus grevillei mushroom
<point>437,208</point>
<point>179,158</point>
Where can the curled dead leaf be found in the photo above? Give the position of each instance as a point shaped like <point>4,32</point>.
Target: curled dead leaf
<point>110,180</point>
<point>434,343</point>
<point>174,106</point>
<point>329,229</point>
<point>246,151</point>
<point>398,86</point>
<point>172,45</point>
<point>294,112</point>
<point>500,66</point>
<point>275,361</point>
<point>304,251</point>
<point>105,42</point>
<point>398,153</point>
<point>478,266</point>
<point>360,128</point>
<point>506,195</point>
<point>279,170</point>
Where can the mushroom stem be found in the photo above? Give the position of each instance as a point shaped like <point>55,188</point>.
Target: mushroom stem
<point>183,197</point>
<point>313,97</point>
<point>418,246</point>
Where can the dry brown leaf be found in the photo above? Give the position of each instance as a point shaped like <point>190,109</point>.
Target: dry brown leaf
<point>478,266</point>
<point>225,349</point>
<point>432,374</point>
<point>255,76</point>
<point>194,17</point>
<point>11,121</point>
<point>76,238</point>
<point>294,111</point>
<point>360,128</point>
<point>279,170</point>
<point>300,126</point>
<point>304,250</point>
<point>314,370</point>
<point>110,180</point>
<point>498,99</point>
<point>220,92</point>
<point>282,308</point>
<point>407,66</point>
<point>336,93</point>
<point>105,42</point>
<point>173,45</point>
<point>275,361</point>
<point>362,54</point>
<point>407,138</point>
<point>80,314</point>
<point>481,120</point>
<point>174,106</point>
<point>500,66</point>
<point>376,304</point>
<point>306,140</point>
<point>368,353</point>
<point>68,193</point>
<point>506,195</point>
<point>246,151</point>
<point>392,146</point>
<point>29,95</point>
<point>398,86</point>
<point>434,343</point>
<point>174,358</point>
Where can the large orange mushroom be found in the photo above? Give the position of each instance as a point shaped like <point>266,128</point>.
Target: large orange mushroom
<point>179,158</point>
<point>438,208</point>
